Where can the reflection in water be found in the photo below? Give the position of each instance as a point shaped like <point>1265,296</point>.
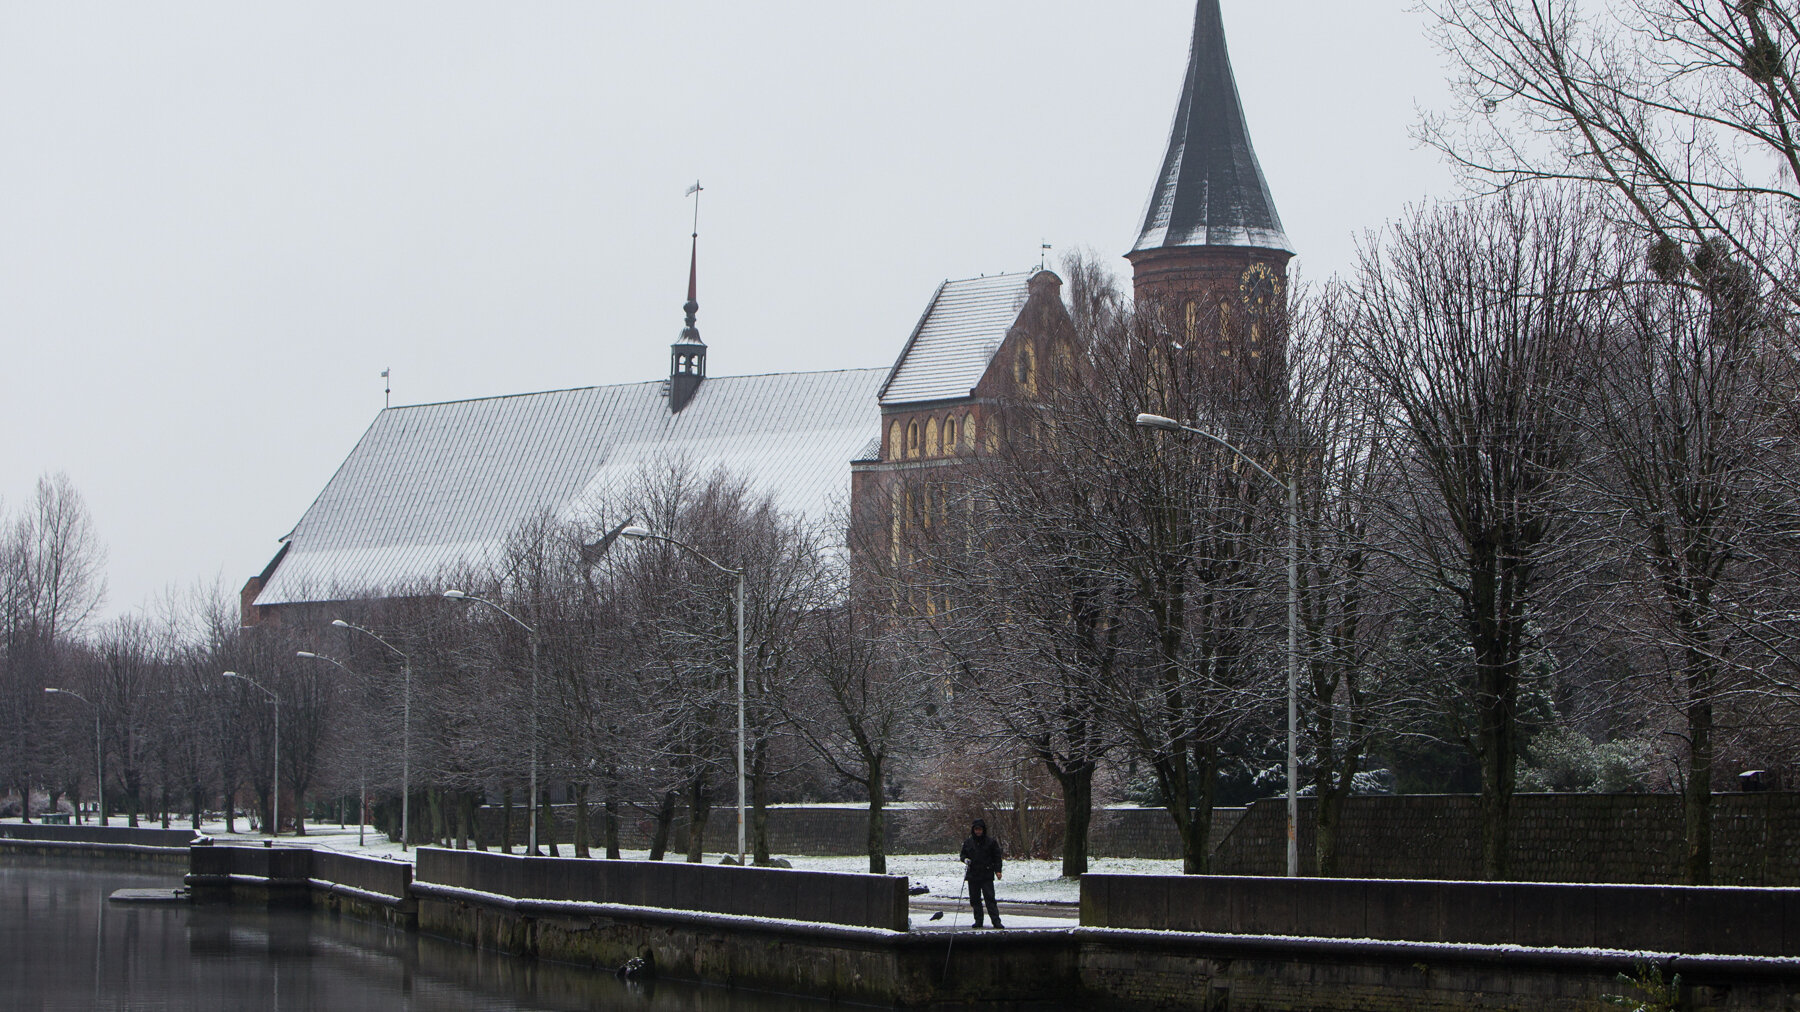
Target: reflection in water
<point>62,946</point>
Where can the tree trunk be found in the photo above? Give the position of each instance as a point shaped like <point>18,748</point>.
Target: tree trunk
<point>699,809</point>
<point>877,817</point>
<point>1193,818</point>
<point>1327,816</point>
<point>581,819</point>
<point>1498,705</point>
<point>226,791</point>
<point>199,806</point>
<point>546,821</point>
<point>506,819</point>
<point>1023,844</point>
<point>1697,794</point>
<point>1077,785</point>
<point>612,828</point>
<point>759,804</point>
<point>163,792</point>
<point>665,819</point>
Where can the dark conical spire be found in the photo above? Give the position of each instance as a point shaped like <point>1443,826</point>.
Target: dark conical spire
<point>1211,191</point>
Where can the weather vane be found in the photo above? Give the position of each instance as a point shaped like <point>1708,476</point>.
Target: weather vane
<point>387,390</point>
<point>694,192</point>
<point>1044,254</point>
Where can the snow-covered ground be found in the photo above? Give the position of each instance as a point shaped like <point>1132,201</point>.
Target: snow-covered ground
<point>1024,882</point>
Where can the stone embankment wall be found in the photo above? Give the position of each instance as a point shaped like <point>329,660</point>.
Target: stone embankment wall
<point>142,844</point>
<point>1730,921</point>
<point>1555,838</point>
<point>869,901</point>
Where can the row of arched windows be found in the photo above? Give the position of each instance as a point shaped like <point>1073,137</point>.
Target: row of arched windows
<point>1191,313</point>
<point>931,437</point>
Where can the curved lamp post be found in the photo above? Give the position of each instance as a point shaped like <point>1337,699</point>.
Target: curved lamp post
<point>275,784</point>
<point>1158,422</point>
<point>362,775</point>
<point>644,534</point>
<point>99,769</point>
<point>405,728</point>
<point>532,635</point>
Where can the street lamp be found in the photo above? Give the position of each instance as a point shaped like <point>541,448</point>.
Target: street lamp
<point>532,635</point>
<point>99,769</point>
<point>362,775</point>
<point>275,784</point>
<point>644,534</point>
<point>405,728</point>
<point>1158,422</point>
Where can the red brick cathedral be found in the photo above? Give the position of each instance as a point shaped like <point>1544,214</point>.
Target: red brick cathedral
<point>1210,252</point>
<point>433,489</point>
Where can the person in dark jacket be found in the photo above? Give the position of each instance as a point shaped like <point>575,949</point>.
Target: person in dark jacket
<point>981,855</point>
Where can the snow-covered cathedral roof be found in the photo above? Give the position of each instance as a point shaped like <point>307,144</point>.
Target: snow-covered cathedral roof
<point>955,340</point>
<point>433,487</point>
<point>1211,191</point>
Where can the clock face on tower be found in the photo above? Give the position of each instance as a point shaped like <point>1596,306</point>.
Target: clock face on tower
<point>1261,288</point>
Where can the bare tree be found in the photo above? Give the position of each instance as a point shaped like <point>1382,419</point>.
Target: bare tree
<point>1683,428</point>
<point>1473,322</point>
<point>1686,110</point>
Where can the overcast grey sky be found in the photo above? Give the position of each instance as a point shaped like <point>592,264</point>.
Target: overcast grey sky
<point>220,221</point>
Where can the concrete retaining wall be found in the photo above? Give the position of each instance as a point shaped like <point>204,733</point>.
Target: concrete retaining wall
<point>118,835</point>
<point>1719,920</point>
<point>873,901</point>
<point>1555,838</point>
<point>152,846</point>
<point>367,888</point>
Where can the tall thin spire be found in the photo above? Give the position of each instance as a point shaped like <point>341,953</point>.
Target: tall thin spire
<point>1211,191</point>
<point>691,334</point>
<point>687,356</point>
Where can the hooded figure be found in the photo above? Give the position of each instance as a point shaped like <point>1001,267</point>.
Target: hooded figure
<point>981,856</point>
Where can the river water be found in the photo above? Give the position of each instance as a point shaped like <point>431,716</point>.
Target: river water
<point>64,947</point>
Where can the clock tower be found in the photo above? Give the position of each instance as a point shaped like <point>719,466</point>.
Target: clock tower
<point>1211,252</point>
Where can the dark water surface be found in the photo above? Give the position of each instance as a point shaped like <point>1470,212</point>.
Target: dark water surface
<point>62,946</point>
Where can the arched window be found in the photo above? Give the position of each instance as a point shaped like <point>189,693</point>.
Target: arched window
<point>993,434</point>
<point>932,445</point>
<point>895,447</point>
<point>1157,378</point>
<point>912,439</point>
<point>1191,318</point>
<point>1225,334</point>
<point>897,519</point>
<point>968,433</point>
<point>949,435</point>
<point>1025,369</point>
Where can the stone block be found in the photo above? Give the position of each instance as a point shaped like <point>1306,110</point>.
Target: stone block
<point>1409,910</point>
<point>1641,917</point>
<point>1480,912</point>
<point>1558,915</point>
<point>1746,922</point>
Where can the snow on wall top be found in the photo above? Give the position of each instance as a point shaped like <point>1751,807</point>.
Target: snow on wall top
<point>1211,191</point>
<point>436,486</point>
<point>957,337</point>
